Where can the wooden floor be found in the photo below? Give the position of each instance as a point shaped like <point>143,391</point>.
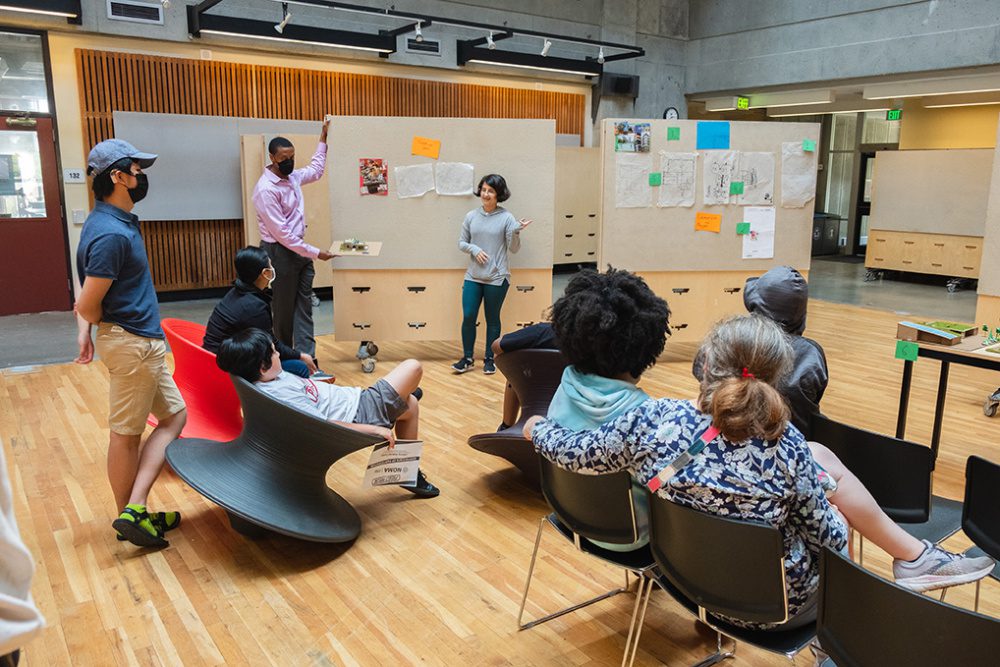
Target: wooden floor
<point>430,582</point>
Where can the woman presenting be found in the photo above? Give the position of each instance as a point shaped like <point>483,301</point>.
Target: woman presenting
<point>488,233</point>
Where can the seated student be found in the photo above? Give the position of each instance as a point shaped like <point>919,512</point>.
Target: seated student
<point>782,295</point>
<point>247,305</point>
<point>756,467</point>
<point>535,337</point>
<point>377,410</point>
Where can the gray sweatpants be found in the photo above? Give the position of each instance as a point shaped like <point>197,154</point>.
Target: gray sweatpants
<point>291,300</point>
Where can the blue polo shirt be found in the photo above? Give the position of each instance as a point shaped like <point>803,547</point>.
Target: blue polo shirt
<point>111,246</point>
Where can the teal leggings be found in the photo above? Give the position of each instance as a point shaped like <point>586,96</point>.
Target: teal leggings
<point>492,297</point>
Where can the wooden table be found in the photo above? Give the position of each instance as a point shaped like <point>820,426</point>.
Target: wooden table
<point>968,352</point>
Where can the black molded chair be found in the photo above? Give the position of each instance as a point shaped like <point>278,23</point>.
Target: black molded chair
<point>585,508</point>
<point>273,476</point>
<point>716,565</point>
<point>898,473</point>
<point>534,375</point>
<point>865,620</point>
<point>981,511</point>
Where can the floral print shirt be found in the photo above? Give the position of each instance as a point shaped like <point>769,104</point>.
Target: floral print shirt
<point>770,481</point>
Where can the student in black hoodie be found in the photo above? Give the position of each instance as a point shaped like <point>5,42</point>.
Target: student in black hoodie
<point>247,305</point>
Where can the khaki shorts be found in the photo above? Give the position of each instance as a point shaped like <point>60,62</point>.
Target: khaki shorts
<point>140,382</point>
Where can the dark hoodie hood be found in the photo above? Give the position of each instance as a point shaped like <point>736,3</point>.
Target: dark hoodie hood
<point>782,295</point>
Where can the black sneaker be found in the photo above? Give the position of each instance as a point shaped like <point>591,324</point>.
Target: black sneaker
<point>423,488</point>
<point>462,365</point>
<point>417,393</point>
<point>489,368</point>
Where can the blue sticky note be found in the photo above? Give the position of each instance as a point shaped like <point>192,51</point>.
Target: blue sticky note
<point>713,134</point>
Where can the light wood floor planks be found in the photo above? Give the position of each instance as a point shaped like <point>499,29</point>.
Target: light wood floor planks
<point>430,582</point>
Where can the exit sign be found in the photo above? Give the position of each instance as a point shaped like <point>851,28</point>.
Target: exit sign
<point>894,114</point>
<point>743,103</point>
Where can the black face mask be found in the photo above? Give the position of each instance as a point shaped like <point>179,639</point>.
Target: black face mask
<point>287,166</point>
<point>138,193</point>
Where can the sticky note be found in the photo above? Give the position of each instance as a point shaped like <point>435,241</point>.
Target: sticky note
<point>808,145</point>
<point>426,147</point>
<point>906,350</point>
<point>713,134</point>
<point>656,178</point>
<point>742,228</point>
<point>736,187</point>
<point>707,222</point>
<point>673,134</point>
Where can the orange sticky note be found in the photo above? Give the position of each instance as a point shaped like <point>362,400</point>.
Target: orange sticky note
<point>426,147</point>
<point>707,222</point>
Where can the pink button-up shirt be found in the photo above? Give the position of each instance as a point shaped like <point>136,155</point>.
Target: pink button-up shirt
<point>280,210</point>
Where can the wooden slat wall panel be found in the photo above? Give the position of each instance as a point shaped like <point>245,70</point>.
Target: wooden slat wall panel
<point>112,82</point>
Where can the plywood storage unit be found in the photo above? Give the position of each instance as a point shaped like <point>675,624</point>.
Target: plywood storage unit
<point>988,303</point>
<point>578,205</point>
<point>412,291</point>
<point>700,274</point>
<point>929,211</point>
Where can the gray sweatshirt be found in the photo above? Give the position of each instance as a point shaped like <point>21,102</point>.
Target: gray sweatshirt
<point>495,234</point>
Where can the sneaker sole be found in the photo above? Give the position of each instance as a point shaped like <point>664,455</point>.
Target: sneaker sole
<point>933,583</point>
<point>486,372</point>
<point>137,535</point>
<point>464,370</point>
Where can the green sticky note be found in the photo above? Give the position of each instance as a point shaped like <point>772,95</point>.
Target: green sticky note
<point>906,350</point>
<point>673,134</point>
<point>742,228</point>
<point>736,187</point>
<point>656,178</point>
<point>808,145</point>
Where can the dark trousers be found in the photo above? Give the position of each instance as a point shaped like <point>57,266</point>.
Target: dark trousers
<point>291,297</point>
<point>491,296</point>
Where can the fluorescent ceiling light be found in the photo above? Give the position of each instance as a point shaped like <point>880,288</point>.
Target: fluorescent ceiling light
<point>287,40</point>
<point>720,104</point>
<point>972,100</point>
<point>819,112</point>
<point>547,69</point>
<point>790,98</point>
<point>942,86</point>
<point>47,12</point>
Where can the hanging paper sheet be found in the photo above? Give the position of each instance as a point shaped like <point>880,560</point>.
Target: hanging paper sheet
<point>756,172</point>
<point>414,180</point>
<point>632,180</point>
<point>454,178</point>
<point>718,174</point>
<point>798,175</point>
<point>677,187</point>
<point>759,243</point>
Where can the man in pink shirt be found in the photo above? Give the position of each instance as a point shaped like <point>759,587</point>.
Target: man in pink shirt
<point>281,219</point>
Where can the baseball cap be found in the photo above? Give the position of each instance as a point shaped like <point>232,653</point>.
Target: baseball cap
<point>106,153</point>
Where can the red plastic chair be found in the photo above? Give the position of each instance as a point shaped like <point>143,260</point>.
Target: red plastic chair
<point>213,409</point>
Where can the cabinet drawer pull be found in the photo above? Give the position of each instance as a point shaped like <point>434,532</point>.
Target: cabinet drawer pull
<point>569,236</point>
<point>591,233</point>
<point>525,324</point>
<point>416,288</point>
<point>731,290</point>
<point>681,290</point>
<point>909,242</point>
<point>877,259</point>
<point>525,288</point>
<point>569,215</point>
<point>677,327</point>
<point>361,325</point>
<point>934,264</point>
<point>416,325</point>
<point>969,268</point>
<point>939,245</point>
<point>568,254</point>
<point>361,290</point>
<point>591,253</point>
<point>907,261</point>
<point>972,247</point>
<point>879,240</point>
<point>591,215</point>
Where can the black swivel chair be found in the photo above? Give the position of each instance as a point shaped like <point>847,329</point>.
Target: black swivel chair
<point>534,376</point>
<point>273,476</point>
<point>865,620</point>
<point>981,511</point>
<point>585,508</point>
<point>715,565</point>
<point>897,473</point>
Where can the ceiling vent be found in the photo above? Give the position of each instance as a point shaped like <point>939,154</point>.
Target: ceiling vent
<point>136,12</point>
<point>425,47</point>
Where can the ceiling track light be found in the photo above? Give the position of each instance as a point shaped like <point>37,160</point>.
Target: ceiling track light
<point>600,56</point>
<point>546,46</point>
<point>286,16</point>
<point>490,44</point>
<point>165,4</point>
<point>419,36</point>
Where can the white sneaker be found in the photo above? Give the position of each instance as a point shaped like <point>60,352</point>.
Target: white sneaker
<point>937,568</point>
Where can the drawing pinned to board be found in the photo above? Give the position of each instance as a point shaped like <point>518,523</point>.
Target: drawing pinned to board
<point>414,180</point>
<point>798,175</point>
<point>718,174</point>
<point>756,171</point>
<point>454,178</point>
<point>678,184</point>
<point>632,137</point>
<point>374,176</point>
<point>632,181</point>
<point>759,242</point>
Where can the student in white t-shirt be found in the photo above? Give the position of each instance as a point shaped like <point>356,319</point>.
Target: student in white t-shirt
<point>376,410</point>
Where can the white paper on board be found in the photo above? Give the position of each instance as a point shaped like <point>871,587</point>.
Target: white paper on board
<point>759,243</point>
<point>756,171</point>
<point>454,178</point>
<point>718,175</point>
<point>632,188</point>
<point>414,180</point>
<point>798,175</point>
<point>678,184</point>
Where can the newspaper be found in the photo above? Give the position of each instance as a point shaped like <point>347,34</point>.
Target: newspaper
<point>398,465</point>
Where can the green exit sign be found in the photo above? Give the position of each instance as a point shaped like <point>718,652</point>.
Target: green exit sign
<point>743,103</point>
<point>894,114</point>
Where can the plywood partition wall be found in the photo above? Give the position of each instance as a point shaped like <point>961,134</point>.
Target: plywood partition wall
<point>412,291</point>
<point>988,303</point>
<point>578,205</point>
<point>701,274</point>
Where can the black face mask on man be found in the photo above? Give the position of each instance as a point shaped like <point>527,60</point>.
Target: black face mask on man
<point>141,189</point>
<point>287,166</point>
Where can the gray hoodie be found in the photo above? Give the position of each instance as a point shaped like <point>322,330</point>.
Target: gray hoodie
<point>495,233</point>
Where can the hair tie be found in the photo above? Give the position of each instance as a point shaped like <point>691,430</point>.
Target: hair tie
<point>748,374</point>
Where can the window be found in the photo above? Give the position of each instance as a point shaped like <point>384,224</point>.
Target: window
<point>22,73</point>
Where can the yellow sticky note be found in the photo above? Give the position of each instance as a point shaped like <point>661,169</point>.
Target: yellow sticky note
<point>426,147</point>
<point>707,222</point>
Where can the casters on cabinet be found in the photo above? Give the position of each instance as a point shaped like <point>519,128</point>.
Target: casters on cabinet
<point>990,406</point>
<point>366,355</point>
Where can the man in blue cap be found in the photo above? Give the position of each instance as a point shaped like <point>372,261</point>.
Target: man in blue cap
<point>117,296</point>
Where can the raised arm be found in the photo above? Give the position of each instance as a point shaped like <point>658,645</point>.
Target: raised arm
<point>313,171</point>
